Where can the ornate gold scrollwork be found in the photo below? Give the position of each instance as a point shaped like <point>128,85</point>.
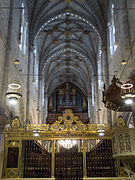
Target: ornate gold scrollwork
<point>92,127</point>
<point>57,125</point>
<point>41,127</point>
<point>66,125</point>
<point>79,125</point>
<point>15,125</point>
<point>120,122</point>
<point>67,122</point>
<point>70,122</point>
<point>14,143</point>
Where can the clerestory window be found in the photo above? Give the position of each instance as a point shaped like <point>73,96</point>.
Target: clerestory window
<point>113,45</point>
<point>23,30</point>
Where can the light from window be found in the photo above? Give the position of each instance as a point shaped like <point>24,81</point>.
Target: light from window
<point>113,46</point>
<point>35,66</point>
<point>23,30</point>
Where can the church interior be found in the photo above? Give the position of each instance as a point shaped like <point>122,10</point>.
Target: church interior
<point>67,89</point>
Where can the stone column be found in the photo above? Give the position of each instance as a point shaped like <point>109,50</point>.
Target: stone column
<point>45,106</point>
<point>133,112</point>
<point>90,109</point>
<point>40,96</point>
<point>3,122</point>
<point>88,99</point>
<point>105,65</point>
<point>106,77</point>
<point>7,59</point>
<point>2,145</point>
<point>96,99</point>
<point>30,58</point>
<point>133,105</point>
<point>124,25</point>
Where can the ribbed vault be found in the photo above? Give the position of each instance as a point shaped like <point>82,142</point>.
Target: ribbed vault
<point>67,36</point>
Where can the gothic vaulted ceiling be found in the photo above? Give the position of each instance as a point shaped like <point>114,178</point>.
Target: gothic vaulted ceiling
<point>67,33</point>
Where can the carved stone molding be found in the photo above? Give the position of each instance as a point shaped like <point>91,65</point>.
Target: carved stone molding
<point>124,145</point>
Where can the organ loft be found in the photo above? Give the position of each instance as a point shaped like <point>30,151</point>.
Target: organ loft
<point>67,89</point>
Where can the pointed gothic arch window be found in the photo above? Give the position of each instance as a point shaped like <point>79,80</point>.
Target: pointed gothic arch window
<point>35,67</point>
<point>113,45</point>
<point>23,31</point>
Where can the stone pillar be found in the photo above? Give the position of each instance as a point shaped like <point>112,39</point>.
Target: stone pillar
<point>88,99</point>
<point>45,106</point>
<point>96,98</point>
<point>133,105</point>
<point>30,57</point>
<point>124,25</point>
<point>133,112</point>
<point>2,145</point>
<point>3,122</point>
<point>105,65</point>
<point>106,77</point>
<point>90,109</point>
<point>53,160</point>
<point>42,100</point>
<point>40,85</point>
<point>7,59</point>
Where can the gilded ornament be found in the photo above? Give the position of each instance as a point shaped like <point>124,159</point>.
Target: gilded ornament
<point>120,122</point>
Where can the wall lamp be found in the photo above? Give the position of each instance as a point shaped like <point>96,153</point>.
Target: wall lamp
<point>12,93</point>
<point>101,132</point>
<point>36,133</point>
<point>13,97</point>
<point>127,93</point>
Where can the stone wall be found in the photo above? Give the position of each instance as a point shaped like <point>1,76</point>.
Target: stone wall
<point>124,39</point>
<point>10,29</point>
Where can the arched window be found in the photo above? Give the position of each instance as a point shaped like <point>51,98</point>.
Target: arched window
<point>113,46</point>
<point>100,80</point>
<point>35,67</point>
<point>23,30</point>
